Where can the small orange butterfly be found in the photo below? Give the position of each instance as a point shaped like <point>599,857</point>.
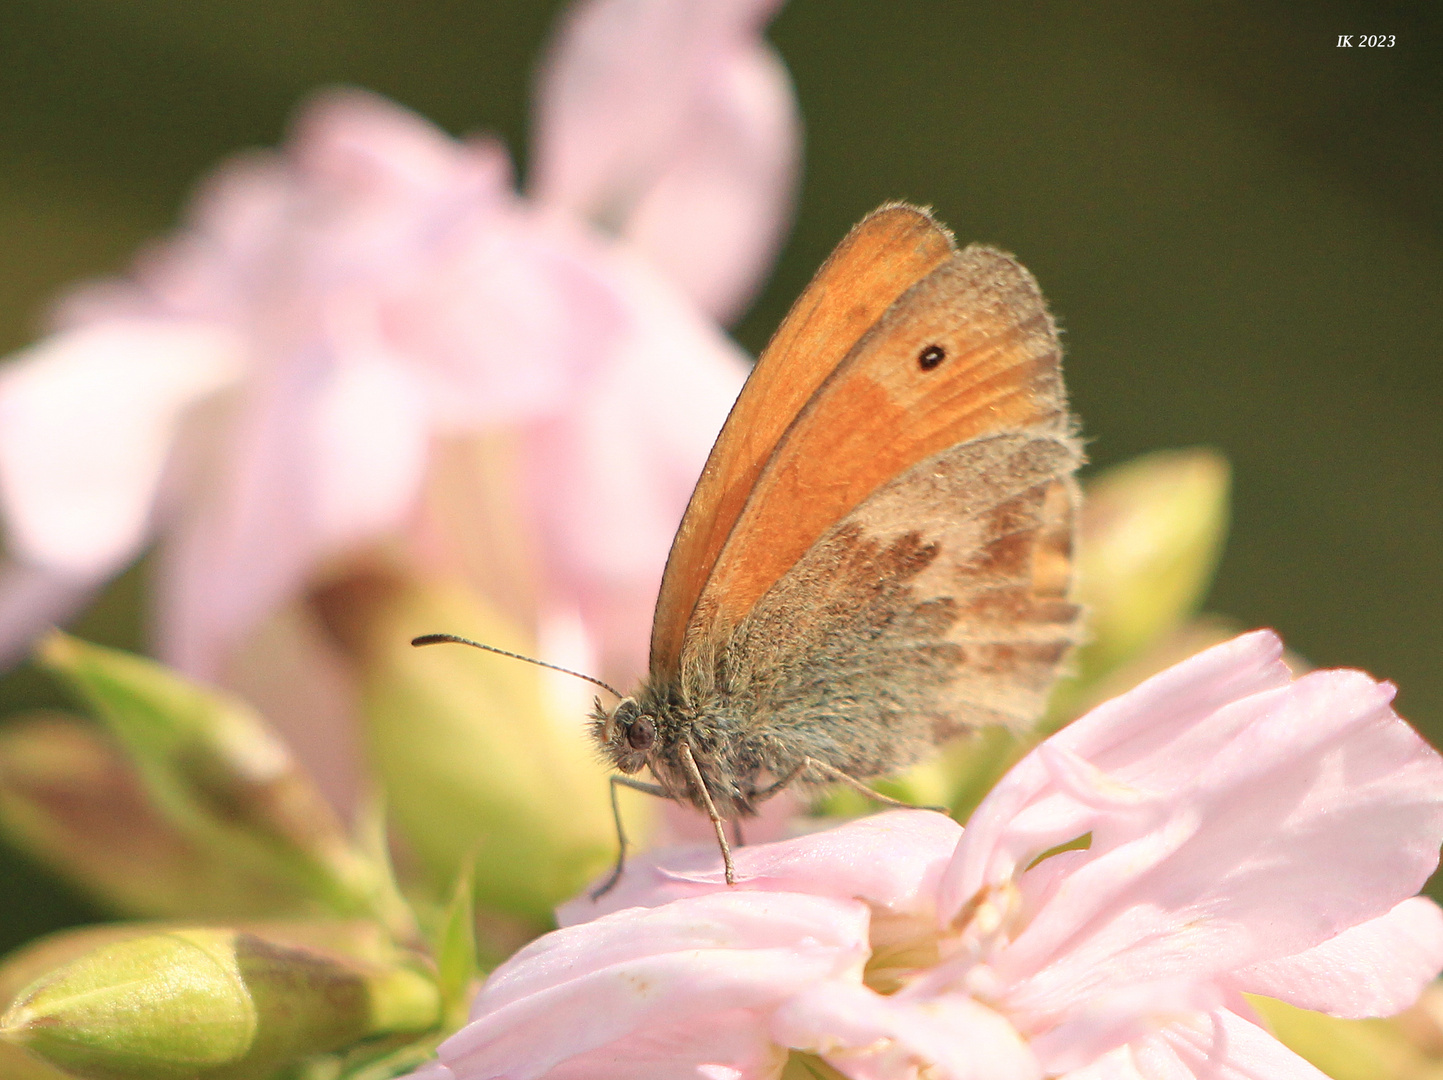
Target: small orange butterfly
<point>878,553</point>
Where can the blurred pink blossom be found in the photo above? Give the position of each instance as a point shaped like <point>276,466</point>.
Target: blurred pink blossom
<point>1218,830</point>
<point>674,121</point>
<point>347,333</point>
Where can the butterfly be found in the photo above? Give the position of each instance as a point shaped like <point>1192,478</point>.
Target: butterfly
<point>878,553</point>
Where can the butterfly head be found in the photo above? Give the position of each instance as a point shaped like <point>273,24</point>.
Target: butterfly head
<point>626,734</point>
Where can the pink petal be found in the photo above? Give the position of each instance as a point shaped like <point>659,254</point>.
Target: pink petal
<point>713,221</point>
<point>87,421</point>
<point>611,467</point>
<point>675,122</point>
<point>1272,851</point>
<point>432,1070</point>
<point>617,384</point>
<point>1119,1015</point>
<point>363,152</point>
<point>369,435</point>
<point>1122,1064</point>
<point>1154,735</point>
<point>871,1037</point>
<point>1377,968</point>
<point>1229,1048</point>
<point>731,1045</point>
<point>892,861</point>
<point>31,601</point>
<point>327,452</point>
<point>506,320</point>
<point>587,986</point>
<point>1222,1046</point>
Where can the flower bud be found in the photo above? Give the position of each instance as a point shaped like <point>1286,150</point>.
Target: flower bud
<point>196,1003</point>
<point>216,773</point>
<point>1391,1048</point>
<point>1151,535</point>
<point>474,761</point>
<point>1152,532</point>
<point>69,797</point>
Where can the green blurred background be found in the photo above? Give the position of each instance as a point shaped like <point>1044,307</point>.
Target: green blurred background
<point>1238,223</point>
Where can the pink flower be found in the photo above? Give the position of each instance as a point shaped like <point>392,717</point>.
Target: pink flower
<point>1219,830</point>
<point>348,337</point>
<point>676,121</point>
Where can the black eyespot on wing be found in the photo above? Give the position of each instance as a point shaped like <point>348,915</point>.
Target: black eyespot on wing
<point>641,734</point>
<point>930,357</point>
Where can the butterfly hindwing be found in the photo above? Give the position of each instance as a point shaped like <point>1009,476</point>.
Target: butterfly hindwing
<point>932,608</point>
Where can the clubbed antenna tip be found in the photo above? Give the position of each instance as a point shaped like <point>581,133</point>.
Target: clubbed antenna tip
<point>438,639</point>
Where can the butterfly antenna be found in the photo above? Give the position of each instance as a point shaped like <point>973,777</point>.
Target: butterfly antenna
<point>437,639</point>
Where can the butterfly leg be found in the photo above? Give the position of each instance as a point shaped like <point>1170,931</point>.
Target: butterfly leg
<point>777,787</point>
<point>717,823</point>
<point>636,785</point>
<point>834,773</point>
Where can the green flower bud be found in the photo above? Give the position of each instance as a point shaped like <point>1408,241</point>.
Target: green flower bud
<point>474,761</point>
<point>217,774</point>
<point>69,797</point>
<point>1152,532</point>
<point>1403,1047</point>
<point>203,1003</point>
<point>21,967</point>
<point>16,1064</point>
<point>1151,535</point>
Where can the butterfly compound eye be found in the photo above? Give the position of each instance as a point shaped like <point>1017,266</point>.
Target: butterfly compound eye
<point>641,734</point>
<point>931,356</point>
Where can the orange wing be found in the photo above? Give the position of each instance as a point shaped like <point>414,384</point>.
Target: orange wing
<point>882,257</point>
<point>968,351</point>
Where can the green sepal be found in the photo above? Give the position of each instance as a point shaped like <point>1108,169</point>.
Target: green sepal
<point>800,1066</point>
<point>457,968</point>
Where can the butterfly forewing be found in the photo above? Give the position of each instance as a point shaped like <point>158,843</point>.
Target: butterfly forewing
<point>884,256</point>
<point>967,352</point>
